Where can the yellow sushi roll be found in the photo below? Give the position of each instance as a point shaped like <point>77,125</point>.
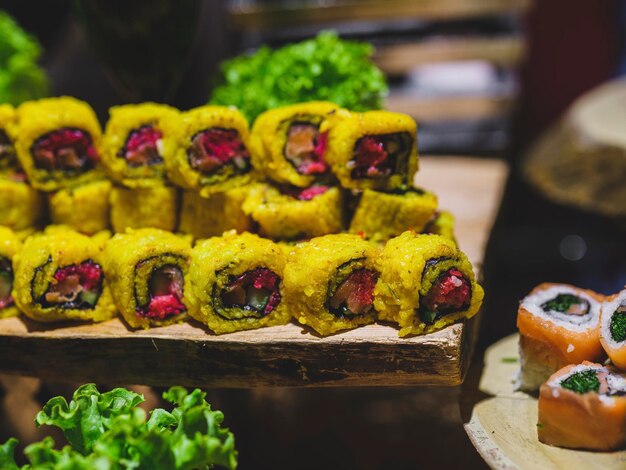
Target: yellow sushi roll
<point>295,213</point>
<point>132,146</point>
<point>287,145</point>
<point>375,149</point>
<point>208,150</point>
<point>146,269</point>
<point>10,244</point>
<point>329,282</point>
<point>235,283</point>
<point>85,208</point>
<point>21,206</point>
<point>425,284</point>
<point>381,215</point>
<point>59,276</point>
<point>442,224</point>
<point>143,208</point>
<point>57,142</point>
<point>8,158</point>
<point>204,217</point>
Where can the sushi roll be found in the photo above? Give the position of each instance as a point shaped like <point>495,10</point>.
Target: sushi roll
<point>294,213</point>
<point>558,325</point>
<point>57,142</point>
<point>372,150</point>
<point>146,269</point>
<point>21,206</point>
<point>8,158</point>
<point>583,406</point>
<point>209,150</point>
<point>143,208</point>
<point>330,282</point>
<point>613,328</point>
<point>381,215</point>
<point>235,283</point>
<point>132,146</point>
<point>59,276</point>
<point>211,216</point>
<point>442,224</point>
<point>287,144</point>
<point>85,208</point>
<point>10,244</point>
<point>425,284</point>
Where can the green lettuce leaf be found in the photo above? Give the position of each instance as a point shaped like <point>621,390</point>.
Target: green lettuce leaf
<point>7,451</point>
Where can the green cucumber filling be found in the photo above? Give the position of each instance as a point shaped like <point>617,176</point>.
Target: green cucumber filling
<point>253,294</point>
<point>6,283</point>
<point>617,325</point>
<point>568,304</point>
<point>582,382</point>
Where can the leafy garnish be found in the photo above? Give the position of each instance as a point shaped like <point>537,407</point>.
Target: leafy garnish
<point>582,382</point>
<point>428,316</point>
<point>7,461</point>
<point>323,68</point>
<point>509,360</point>
<point>561,303</point>
<point>618,327</point>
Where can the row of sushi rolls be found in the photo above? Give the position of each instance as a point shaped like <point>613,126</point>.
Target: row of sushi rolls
<point>310,215</point>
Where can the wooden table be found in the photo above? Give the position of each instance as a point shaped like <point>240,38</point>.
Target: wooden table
<point>190,355</point>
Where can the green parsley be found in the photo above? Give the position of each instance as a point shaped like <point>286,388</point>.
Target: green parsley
<point>618,326</point>
<point>582,382</point>
<point>561,303</point>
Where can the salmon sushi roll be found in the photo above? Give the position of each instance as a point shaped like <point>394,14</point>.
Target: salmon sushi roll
<point>330,282</point>
<point>132,146</point>
<point>288,146</point>
<point>583,406</point>
<point>57,142</point>
<point>558,325</point>
<point>10,244</point>
<point>21,206</point>
<point>155,207</point>
<point>235,283</point>
<point>85,207</point>
<point>146,269</point>
<point>613,328</point>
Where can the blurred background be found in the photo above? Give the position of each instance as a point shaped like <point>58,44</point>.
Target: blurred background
<point>486,78</point>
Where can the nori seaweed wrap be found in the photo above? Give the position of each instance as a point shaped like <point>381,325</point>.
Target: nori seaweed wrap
<point>59,276</point>
<point>383,215</point>
<point>57,142</point>
<point>375,149</point>
<point>21,206</point>
<point>329,282</point>
<point>146,269</point>
<point>287,145</point>
<point>209,150</point>
<point>235,283</point>
<point>425,284</point>
<point>144,208</point>
<point>85,207</point>
<point>294,213</point>
<point>10,244</point>
<point>132,145</point>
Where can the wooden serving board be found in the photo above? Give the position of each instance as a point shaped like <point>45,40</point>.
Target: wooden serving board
<point>503,424</point>
<point>188,354</point>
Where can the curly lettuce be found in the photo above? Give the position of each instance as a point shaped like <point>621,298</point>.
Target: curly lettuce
<point>323,68</point>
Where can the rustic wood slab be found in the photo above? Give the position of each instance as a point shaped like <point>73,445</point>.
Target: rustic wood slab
<point>188,354</point>
<point>503,427</point>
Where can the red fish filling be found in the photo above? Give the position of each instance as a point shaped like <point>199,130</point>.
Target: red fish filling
<point>215,148</point>
<point>77,286</point>
<point>355,295</point>
<point>64,149</point>
<point>306,194</point>
<point>165,292</point>
<point>379,156</point>
<point>6,283</point>
<point>256,290</point>
<point>305,148</point>
<point>451,292</point>
<point>142,147</point>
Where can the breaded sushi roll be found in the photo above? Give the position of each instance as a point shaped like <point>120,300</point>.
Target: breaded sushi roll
<point>57,142</point>
<point>292,213</point>
<point>426,283</point>
<point>330,282</point>
<point>146,269</point>
<point>132,145</point>
<point>583,406</point>
<point>613,328</point>
<point>442,224</point>
<point>211,216</point>
<point>210,150</point>
<point>558,324</point>
<point>287,144</point>
<point>85,207</point>
<point>235,283</point>
<point>384,215</point>
<point>8,157</point>
<point>59,276</point>
<point>21,206</point>
<point>10,244</point>
<point>375,149</point>
<point>144,208</point>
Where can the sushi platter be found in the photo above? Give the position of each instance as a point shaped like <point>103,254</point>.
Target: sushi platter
<point>286,355</point>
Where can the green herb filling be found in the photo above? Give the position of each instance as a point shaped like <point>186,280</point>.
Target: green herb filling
<point>582,382</point>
